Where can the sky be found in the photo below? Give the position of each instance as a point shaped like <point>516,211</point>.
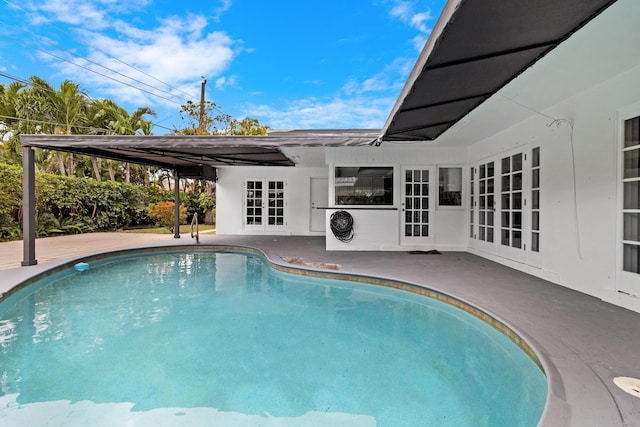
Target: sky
<point>331,64</point>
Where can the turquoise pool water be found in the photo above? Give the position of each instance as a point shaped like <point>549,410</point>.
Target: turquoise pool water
<point>216,338</point>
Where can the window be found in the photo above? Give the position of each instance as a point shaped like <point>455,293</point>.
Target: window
<point>450,187</point>
<point>369,185</point>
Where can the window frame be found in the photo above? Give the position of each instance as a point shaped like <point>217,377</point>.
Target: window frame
<point>456,207</point>
<point>394,177</point>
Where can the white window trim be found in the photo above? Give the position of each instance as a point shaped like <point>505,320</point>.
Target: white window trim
<point>463,186</point>
<point>332,185</point>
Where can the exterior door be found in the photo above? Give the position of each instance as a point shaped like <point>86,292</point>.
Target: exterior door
<point>417,204</point>
<point>483,221</point>
<point>629,246</point>
<point>505,206</point>
<point>319,199</point>
<point>265,205</point>
<point>512,241</point>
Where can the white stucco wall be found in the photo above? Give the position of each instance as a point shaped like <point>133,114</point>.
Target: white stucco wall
<point>230,193</point>
<point>579,229</point>
<point>380,229</point>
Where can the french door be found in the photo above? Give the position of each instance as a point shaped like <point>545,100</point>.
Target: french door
<point>505,206</point>
<point>417,205</point>
<point>629,249</point>
<point>483,183</point>
<point>512,242</point>
<point>264,205</point>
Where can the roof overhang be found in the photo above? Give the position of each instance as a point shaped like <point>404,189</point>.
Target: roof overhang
<point>198,156</point>
<point>475,49</point>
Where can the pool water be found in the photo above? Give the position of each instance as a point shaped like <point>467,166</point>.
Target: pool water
<point>220,338</point>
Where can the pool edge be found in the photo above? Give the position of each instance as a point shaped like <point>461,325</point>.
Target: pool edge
<point>555,405</point>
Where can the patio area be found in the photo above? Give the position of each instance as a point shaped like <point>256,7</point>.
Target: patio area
<point>583,342</point>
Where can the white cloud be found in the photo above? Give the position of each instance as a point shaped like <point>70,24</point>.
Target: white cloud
<point>391,79</point>
<point>405,12</point>
<point>94,13</point>
<point>178,50</point>
<point>222,82</point>
<point>311,113</point>
<point>224,6</point>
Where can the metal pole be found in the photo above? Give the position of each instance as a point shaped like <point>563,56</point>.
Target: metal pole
<point>201,119</point>
<point>28,207</point>
<point>176,212</point>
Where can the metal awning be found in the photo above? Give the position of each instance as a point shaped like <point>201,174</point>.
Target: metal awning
<point>194,155</point>
<point>476,48</point>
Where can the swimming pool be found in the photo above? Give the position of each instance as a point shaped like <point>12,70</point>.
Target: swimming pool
<point>221,338</point>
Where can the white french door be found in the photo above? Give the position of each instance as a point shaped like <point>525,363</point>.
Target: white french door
<point>629,248</point>
<point>264,205</point>
<point>505,206</point>
<point>483,179</point>
<point>416,206</point>
<point>512,241</point>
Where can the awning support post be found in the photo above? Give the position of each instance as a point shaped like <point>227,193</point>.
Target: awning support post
<point>28,207</point>
<point>176,212</point>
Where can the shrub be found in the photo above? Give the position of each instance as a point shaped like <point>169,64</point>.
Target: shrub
<point>163,214</point>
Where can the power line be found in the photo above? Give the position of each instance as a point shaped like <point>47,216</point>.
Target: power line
<point>95,72</point>
<point>49,89</point>
<point>190,96</point>
<point>51,43</point>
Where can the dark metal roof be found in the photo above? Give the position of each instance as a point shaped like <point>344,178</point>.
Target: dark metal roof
<point>476,48</point>
<point>189,152</point>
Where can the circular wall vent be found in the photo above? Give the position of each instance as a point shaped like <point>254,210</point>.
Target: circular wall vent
<point>630,385</point>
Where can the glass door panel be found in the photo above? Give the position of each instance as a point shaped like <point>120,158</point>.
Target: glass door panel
<point>265,205</point>
<point>416,205</point>
<point>253,203</point>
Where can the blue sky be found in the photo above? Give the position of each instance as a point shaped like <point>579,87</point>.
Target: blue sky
<point>290,64</point>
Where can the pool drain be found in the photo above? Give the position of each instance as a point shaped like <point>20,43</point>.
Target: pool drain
<point>630,385</point>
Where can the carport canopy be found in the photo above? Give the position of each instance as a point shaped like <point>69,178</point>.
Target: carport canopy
<point>188,156</point>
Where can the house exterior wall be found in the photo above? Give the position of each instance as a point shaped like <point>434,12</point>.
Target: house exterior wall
<point>580,206</point>
<point>380,229</point>
<point>230,193</point>
<point>374,229</point>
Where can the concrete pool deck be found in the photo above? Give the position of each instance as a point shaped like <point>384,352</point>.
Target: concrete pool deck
<point>583,342</point>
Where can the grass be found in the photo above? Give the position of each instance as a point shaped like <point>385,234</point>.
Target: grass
<point>184,229</point>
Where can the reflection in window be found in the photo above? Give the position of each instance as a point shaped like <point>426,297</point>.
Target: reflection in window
<point>369,185</point>
<point>450,187</point>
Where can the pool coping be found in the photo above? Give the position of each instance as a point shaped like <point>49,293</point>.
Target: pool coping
<point>583,341</point>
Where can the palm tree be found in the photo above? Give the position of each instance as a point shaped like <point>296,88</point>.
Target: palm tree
<point>65,113</point>
<point>108,115</point>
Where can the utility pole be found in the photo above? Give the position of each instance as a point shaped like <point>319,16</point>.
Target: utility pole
<point>201,121</point>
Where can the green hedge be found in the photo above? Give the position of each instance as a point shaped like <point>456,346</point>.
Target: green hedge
<point>69,205</point>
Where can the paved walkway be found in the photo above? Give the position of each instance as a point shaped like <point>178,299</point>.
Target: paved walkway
<point>583,342</point>
<point>67,247</point>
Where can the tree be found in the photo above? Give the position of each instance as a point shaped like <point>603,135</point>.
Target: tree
<point>65,113</point>
<point>115,120</point>
<point>214,122</point>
